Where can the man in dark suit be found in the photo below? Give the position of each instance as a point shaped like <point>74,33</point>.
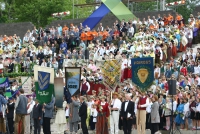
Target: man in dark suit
<point>10,115</point>
<point>40,56</point>
<point>37,115</point>
<point>127,114</point>
<point>11,66</point>
<point>83,115</point>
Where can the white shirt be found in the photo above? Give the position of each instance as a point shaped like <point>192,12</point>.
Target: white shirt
<point>29,110</point>
<point>198,107</point>
<point>148,109</point>
<point>116,103</point>
<point>144,105</point>
<point>88,85</point>
<point>90,103</point>
<point>186,108</point>
<point>174,106</point>
<point>126,104</point>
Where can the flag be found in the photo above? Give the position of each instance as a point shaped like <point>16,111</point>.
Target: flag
<point>111,71</point>
<point>44,83</point>
<point>59,86</point>
<point>73,79</point>
<point>142,72</point>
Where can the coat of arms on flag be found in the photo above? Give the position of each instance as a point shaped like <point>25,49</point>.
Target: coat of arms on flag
<point>111,71</point>
<point>43,80</point>
<point>44,83</point>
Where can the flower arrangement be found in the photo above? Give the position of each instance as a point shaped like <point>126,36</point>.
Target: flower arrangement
<point>61,14</point>
<point>176,3</point>
<point>181,114</point>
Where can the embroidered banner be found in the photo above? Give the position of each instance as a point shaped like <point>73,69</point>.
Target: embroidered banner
<point>4,82</point>
<point>142,72</point>
<point>59,86</point>
<point>111,71</point>
<point>27,84</point>
<point>44,83</point>
<point>72,79</point>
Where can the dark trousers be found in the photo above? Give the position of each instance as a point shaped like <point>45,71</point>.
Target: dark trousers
<point>84,126</point>
<point>148,120</point>
<point>37,126</point>
<point>83,93</point>
<point>46,125</point>
<point>154,127</point>
<point>10,125</point>
<point>92,124</point>
<point>127,125</point>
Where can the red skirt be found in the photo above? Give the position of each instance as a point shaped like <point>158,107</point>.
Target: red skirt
<point>102,124</point>
<point>174,51</point>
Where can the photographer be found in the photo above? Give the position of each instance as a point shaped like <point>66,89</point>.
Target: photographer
<point>3,101</point>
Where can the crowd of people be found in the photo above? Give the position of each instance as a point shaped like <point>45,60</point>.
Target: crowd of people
<point>160,37</point>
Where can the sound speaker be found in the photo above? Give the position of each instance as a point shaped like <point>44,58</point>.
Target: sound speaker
<point>172,87</point>
<point>86,54</point>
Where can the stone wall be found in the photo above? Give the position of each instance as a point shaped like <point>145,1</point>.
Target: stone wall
<point>15,28</point>
<point>21,28</point>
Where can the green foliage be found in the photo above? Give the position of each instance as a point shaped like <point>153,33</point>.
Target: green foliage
<point>144,6</point>
<point>39,12</point>
<point>13,75</point>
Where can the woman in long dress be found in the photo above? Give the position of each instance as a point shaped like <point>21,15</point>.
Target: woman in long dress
<point>60,119</point>
<point>103,113</point>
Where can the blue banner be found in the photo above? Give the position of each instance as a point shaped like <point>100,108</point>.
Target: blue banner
<point>73,78</point>
<point>142,71</point>
<point>4,82</point>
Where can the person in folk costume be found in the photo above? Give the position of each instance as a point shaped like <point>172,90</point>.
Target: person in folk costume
<point>30,106</point>
<point>169,50</point>
<point>184,70</point>
<point>60,119</point>
<point>142,102</point>
<point>189,36</point>
<point>85,87</point>
<point>159,54</point>
<point>10,115</point>
<point>93,116</point>
<point>175,46</point>
<point>164,48</point>
<point>103,114</point>
<point>115,107</point>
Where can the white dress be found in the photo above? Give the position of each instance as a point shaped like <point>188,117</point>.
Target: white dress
<point>60,115</point>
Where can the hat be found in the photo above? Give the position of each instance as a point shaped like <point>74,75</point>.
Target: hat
<point>115,93</point>
<point>103,97</point>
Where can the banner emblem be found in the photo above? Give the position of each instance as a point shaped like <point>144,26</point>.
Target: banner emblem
<point>43,80</point>
<point>143,74</point>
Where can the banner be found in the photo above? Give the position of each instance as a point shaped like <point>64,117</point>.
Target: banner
<point>142,72</point>
<point>4,82</point>
<point>27,84</point>
<point>44,83</point>
<point>58,86</point>
<point>73,79</point>
<point>111,71</point>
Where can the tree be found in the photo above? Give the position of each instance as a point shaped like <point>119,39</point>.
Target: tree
<point>185,10</point>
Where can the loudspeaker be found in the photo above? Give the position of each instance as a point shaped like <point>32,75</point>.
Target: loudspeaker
<point>86,54</point>
<point>172,87</point>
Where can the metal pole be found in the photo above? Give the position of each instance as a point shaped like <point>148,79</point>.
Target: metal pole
<point>73,9</point>
<point>77,9</point>
<point>157,5</point>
